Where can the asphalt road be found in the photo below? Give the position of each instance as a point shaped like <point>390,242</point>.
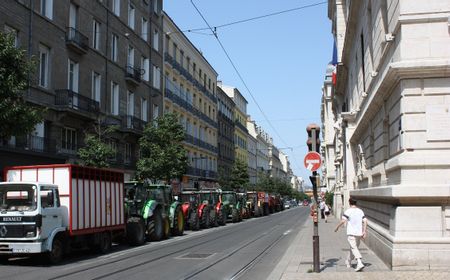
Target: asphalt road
<point>247,250</point>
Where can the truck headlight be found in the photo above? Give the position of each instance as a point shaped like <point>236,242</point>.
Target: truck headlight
<point>30,231</point>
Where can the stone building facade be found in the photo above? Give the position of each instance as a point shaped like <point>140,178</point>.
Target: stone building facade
<point>392,142</point>
<point>99,63</point>
<point>225,138</point>
<point>190,91</point>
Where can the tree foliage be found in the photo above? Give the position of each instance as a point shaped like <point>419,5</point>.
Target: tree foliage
<point>273,185</point>
<point>16,116</point>
<point>96,151</point>
<point>163,156</point>
<point>239,176</point>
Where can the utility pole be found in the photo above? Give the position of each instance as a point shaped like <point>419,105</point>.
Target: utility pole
<point>312,162</point>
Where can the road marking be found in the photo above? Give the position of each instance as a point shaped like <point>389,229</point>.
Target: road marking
<point>287,232</point>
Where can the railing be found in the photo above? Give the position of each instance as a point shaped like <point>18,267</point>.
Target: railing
<point>177,66</point>
<point>200,143</point>
<point>133,73</point>
<point>193,171</point>
<point>70,99</point>
<point>73,36</point>
<point>32,143</point>
<point>131,122</point>
<point>189,107</point>
<point>240,125</point>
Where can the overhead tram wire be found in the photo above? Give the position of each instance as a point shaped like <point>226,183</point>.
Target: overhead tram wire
<point>214,31</point>
<point>254,18</point>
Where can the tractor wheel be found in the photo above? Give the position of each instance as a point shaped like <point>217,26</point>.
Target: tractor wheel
<point>56,254</point>
<point>234,215</point>
<point>155,226</point>
<point>205,218</point>
<point>265,210</point>
<point>213,218</point>
<point>194,222</point>
<point>221,218</point>
<point>105,242</point>
<point>166,228</point>
<point>135,231</point>
<point>178,222</point>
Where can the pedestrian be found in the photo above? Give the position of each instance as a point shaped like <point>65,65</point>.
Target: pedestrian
<point>322,209</point>
<point>356,224</point>
<point>327,212</point>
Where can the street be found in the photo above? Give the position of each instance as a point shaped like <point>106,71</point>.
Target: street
<point>247,250</point>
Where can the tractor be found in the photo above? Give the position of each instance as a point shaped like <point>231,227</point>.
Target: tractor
<point>231,205</point>
<point>253,205</point>
<point>152,212</point>
<point>242,199</point>
<point>190,205</point>
<point>208,199</point>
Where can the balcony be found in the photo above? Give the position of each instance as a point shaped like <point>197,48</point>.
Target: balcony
<point>240,125</point>
<point>132,123</point>
<point>133,75</point>
<point>76,40</point>
<point>68,99</point>
<point>193,171</point>
<point>31,143</point>
<point>199,143</point>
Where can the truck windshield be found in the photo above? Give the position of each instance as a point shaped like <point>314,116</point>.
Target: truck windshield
<point>18,197</point>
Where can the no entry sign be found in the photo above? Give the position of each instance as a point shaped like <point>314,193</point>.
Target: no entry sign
<point>313,161</point>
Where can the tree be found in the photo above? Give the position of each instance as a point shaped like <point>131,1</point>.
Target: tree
<point>16,116</point>
<point>162,153</point>
<point>96,152</point>
<point>239,175</point>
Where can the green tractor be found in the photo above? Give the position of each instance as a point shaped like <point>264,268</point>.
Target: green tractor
<point>151,212</point>
<point>232,205</point>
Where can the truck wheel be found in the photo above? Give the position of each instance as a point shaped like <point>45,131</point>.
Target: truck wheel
<point>178,222</point>
<point>56,254</point>
<point>205,218</point>
<point>135,231</point>
<point>105,242</point>
<point>194,222</point>
<point>155,226</point>
<point>234,215</point>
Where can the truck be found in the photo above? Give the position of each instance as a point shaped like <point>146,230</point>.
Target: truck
<point>50,209</point>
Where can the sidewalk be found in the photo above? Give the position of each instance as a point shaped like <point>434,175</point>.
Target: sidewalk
<point>297,263</point>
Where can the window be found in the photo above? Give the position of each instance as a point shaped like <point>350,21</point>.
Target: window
<point>44,53</point>
<point>130,57</point>
<point>145,65</point>
<point>73,16</point>
<point>144,109</point>
<point>131,12</point>
<point>68,140</point>
<point>156,77</point>
<point>127,153</point>
<point>114,46</point>
<point>155,6</point>
<point>14,33</point>
<point>155,112</point>
<point>96,79</point>
<point>174,51</point>
<point>156,40</point>
<point>116,7</point>
<point>194,68</point>
<point>96,35</point>
<point>144,29</point>
<point>130,103</point>
<point>73,75</point>
<point>114,98</point>
<point>182,58</point>
<point>188,62</point>
<point>46,8</point>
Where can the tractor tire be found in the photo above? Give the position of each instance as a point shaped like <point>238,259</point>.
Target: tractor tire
<point>135,231</point>
<point>56,254</point>
<point>266,210</point>
<point>166,228</point>
<point>213,218</point>
<point>234,215</point>
<point>194,222</point>
<point>178,222</point>
<point>221,217</point>
<point>155,226</point>
<point>105,242</point>
<point>205,218</point>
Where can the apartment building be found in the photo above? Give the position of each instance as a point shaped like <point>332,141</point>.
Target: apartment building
<point>392,139</point>
<point>190,91</point>
<point>240,121</point>
<point>99,63</point>
<point>262,147</point>
<point>225,108</point>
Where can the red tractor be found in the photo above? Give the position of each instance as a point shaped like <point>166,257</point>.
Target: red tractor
<point>263,203</point>
<point>190,205</point>
<point>218,215</point>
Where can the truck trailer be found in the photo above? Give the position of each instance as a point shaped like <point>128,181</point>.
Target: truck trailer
<point>50,209</point>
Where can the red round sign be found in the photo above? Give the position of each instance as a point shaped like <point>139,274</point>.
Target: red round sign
<point>313,161</point>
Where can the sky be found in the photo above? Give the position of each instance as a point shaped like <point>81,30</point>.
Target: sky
<point>282,60</point>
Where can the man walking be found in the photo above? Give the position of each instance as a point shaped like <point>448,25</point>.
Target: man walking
<point>356,229</point>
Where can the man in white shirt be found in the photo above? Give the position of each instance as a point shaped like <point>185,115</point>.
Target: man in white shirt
<point>356,223</point>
